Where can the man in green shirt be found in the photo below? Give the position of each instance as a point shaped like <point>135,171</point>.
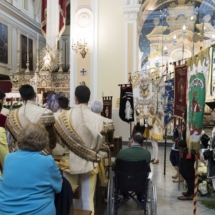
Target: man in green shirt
<point>135,152</point>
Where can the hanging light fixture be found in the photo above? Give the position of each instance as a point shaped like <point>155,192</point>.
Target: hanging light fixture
<point>165,52</point>
<point>174,40</point>
<point>184,29</point>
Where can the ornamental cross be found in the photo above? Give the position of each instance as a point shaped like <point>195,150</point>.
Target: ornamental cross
<point>83,72</point>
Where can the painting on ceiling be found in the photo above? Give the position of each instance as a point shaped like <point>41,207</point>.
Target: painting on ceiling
<point>175,30</point>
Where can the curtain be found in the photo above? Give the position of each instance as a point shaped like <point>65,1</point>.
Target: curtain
<point>5,86</point>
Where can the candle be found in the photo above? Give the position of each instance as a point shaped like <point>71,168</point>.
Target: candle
<point>176,122</point>
<point>37,41</point>
<point>27,49</point>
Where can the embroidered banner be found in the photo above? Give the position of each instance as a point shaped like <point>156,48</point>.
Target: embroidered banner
<point>165,112</point>
<point>198,74</point>
<point>107,107</point>
<point>126,108</point>
<point>180,102</point>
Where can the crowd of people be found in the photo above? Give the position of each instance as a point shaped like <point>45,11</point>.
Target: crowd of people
<point>32,182</point>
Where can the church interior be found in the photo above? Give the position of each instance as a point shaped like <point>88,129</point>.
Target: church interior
<point>141,58</point>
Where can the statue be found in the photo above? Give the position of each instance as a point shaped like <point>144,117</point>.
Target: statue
<point>47,62</point>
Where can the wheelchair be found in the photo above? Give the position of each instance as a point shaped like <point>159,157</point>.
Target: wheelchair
<point>130,178</point>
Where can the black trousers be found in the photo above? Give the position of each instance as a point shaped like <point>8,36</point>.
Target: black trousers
<point>187,171</point>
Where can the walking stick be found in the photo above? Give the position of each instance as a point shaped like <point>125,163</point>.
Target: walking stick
<point>165,153</point>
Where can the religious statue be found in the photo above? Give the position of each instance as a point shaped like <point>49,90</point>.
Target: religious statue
<point>47,62</point>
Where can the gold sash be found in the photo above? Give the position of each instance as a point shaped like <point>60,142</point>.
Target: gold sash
<point>72,140</point>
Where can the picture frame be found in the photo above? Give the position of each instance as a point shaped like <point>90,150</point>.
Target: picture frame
<point>3,44</point>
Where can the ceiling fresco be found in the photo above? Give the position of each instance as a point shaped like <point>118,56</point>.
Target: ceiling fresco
<point>172,30</point>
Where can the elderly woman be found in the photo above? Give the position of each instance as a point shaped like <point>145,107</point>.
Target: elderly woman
<point>97,106</point>
<point>30,178</point>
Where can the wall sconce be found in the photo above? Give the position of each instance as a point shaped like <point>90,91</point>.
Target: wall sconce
<point>80,47</point>
<point>165,52</point>
<point>174,40</point>
<point>184,30</point>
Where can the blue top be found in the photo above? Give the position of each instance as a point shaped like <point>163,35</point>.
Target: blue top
<point>29,183</point>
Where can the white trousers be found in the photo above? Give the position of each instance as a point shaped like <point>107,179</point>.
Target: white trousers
<point>154,149</point>
<point>87,188</point>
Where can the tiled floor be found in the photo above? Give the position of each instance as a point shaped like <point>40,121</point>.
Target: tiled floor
<point>167,192</point>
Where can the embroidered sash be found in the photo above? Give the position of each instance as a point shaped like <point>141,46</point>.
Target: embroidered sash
<point>72,140</point>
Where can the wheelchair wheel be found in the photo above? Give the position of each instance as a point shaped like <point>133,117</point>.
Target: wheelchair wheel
<point>151,199</point>
<point>110,197</point>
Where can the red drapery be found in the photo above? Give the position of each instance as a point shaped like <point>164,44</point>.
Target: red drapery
<point>5,86</point>
<point>180,102</point>
<point>43,17</point>
<point>62,19</point>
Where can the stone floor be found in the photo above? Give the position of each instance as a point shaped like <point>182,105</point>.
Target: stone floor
<point>167,192</point>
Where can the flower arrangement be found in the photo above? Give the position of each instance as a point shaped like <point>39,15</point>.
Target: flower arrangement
<point>16,105</point>
<point>15,79</point>
<point>45,68</point>
<point>6,105</point>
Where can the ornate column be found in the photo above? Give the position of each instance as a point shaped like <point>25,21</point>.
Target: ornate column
<point>18,51</point>
<point>132,18</point>
<point>60,56</point>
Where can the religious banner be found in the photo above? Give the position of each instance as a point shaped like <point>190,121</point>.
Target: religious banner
<point>145,90</point>
<point>165,111</point>
<point>180,102</point>
<point>62,16</point>
<point>126,109</point>
<point>107,107</point>
<point>52,102</point>
<point>198,73</point>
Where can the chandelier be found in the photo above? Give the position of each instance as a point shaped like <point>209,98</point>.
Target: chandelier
<point>80,47</point>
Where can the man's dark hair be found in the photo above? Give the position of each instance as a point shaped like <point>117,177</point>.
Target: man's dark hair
<point>2,94</point>
<point>138,138</point>
<point>63,102</point>
<point>82,93</point>
<point>0,107</point>
<point>27,92</point>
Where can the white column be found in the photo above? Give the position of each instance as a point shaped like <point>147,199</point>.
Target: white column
<point>73,59</point>
<point>131,11</point>
<point>94,53</point>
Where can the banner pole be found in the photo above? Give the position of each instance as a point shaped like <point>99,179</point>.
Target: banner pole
<point>195,186</point>
<point>165,153</point>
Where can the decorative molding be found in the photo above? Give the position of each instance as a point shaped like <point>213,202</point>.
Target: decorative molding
<point>19,16</point>
<point>131,11</point>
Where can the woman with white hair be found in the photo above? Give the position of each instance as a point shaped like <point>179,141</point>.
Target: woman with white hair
<point>97,106</point>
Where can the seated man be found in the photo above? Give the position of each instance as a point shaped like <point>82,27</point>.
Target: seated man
<point>135,152</point>
<point>2,100</point>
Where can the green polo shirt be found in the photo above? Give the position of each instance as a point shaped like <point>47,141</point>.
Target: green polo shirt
<point>134,153</point>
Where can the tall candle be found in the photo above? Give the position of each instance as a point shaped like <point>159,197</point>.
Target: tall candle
<point>27,49</point>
